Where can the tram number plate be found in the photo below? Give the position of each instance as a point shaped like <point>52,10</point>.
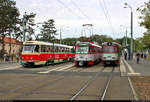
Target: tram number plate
<point>107,62</point>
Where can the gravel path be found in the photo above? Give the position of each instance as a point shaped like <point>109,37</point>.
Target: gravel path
<point>141,85</point>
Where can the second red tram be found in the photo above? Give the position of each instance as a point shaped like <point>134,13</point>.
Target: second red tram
<point>111,53</point>
<point>87,53</point>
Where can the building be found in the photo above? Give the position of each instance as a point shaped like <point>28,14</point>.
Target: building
<point>16,45</point>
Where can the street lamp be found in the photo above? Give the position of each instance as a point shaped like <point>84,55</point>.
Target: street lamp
<point>131,42</point>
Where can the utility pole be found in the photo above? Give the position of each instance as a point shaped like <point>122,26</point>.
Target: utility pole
<point>131,48</point>
<point>60,36</point>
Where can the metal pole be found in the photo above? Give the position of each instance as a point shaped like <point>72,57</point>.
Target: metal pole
<point>126,36</point>
<point>131,43</point>
<point>23,31</point>
<point>24,27</point>
<point>60,35</point>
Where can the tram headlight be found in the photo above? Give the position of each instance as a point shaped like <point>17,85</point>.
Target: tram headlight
<point>31,58</point>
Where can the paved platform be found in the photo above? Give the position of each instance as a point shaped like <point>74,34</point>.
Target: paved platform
<point>141,69</point>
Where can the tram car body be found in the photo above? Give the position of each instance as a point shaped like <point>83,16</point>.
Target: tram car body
<point>40,53</point>
<point>111,53</point>
<point>87,53</point>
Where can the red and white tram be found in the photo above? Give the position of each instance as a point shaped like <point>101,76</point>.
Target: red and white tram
<point>39,53</point>
<point>110,53</point>
<point>87,53</point>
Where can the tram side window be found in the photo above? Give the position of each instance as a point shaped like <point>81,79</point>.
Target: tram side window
<point>59,49</point>
<point>47,48</point>
<point>72,50</point>
<point>51,48</point>
<point>66,50</point>
<point>43,49</point>
<point>36,48</point>
<point>62,49</point>
<point>55,49</point>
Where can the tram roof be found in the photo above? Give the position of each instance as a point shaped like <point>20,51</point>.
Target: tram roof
<point>86,43</point>
<point>46,43</point>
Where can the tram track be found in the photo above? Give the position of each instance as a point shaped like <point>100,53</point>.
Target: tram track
<point>29,89</point>
<point>107,84</point>
<point>81,90</point>
<point>47,84</point>
<point>46,81</point>
<point>86,85</point>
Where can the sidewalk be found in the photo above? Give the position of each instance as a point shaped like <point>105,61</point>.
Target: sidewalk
<point>143,67</point>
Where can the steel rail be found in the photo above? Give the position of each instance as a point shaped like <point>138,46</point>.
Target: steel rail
<point>34,83</point>
<point>107,84</point>
<point>49,83</point>
<point>86,85</point>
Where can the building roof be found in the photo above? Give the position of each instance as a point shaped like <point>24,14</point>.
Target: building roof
<point>12,40</point>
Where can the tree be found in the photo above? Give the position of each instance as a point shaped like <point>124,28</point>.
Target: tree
<point>101,38</point>
<point>146,40</point>
<point>8,17</point>
<point>138,45</point>
<point>69,41</point>
<point>48,31</point>
<point>28,23</point>
<point>145,17</point>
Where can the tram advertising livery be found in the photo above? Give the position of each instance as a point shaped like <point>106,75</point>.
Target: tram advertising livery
<point>111,53</point>
<point>40,53</point>
<point>87,53</point>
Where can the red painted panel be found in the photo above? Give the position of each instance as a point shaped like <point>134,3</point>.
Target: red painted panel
<point>47,56</point>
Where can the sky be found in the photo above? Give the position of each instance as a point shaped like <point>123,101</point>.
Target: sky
<point>106,16</point>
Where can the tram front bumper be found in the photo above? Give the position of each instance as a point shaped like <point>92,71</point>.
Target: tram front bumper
<point>27,63</point>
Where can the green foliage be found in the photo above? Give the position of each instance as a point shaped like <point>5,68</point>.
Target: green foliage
<point>101,38</point>
<point>145,17</point>
<point>69,41</point>
<point>146,40</point>
<point>138,45</point>
<point>48,31</point>
<point>9,15</point>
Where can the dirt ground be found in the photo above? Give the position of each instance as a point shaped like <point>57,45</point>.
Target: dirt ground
<point>141,85</point>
